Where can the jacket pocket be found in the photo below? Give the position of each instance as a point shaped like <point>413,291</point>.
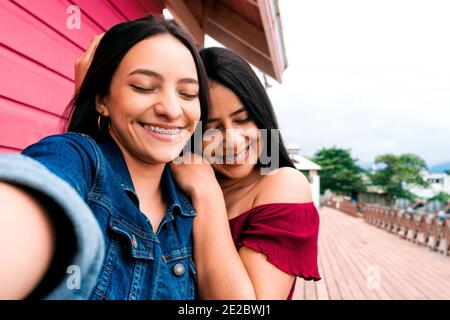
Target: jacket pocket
<point>182,272</point>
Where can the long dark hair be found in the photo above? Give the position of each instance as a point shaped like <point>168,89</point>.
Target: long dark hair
<point>81,115</point>
<point>230,70</point>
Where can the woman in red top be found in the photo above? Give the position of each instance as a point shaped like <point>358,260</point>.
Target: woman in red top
<point>274,223</point>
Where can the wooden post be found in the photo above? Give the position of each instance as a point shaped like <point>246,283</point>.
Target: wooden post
<point>444,243</point>
<point>435,233</point>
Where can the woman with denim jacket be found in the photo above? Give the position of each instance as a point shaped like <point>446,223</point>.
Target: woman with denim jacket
<point>94,212</point>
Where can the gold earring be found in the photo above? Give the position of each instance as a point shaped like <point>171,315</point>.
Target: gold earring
<point>99,124</point>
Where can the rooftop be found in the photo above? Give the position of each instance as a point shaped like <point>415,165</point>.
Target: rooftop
<point>302,163</point>
<point>252,28</point>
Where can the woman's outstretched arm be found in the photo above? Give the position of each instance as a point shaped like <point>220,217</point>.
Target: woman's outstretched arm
<point>45,223</point>
<point>26,242</point>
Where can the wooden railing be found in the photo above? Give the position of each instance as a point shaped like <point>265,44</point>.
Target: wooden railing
<point>345,206</point>
<point>425,230</point>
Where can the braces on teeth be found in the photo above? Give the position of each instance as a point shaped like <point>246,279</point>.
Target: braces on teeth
<point>238,157</point>
<point>163,131</point>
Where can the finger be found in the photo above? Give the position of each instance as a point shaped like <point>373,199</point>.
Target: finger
<point>95,41</point>
<point>93,46</point>
<point>84,61</point>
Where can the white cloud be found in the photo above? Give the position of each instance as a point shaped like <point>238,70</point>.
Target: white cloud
<point>373,76</point>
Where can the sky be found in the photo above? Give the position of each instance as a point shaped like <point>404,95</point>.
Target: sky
<point>370,76</point>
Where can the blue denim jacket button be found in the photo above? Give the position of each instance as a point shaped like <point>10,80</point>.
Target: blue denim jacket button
<point>133,241</point>
<point>178,269</point>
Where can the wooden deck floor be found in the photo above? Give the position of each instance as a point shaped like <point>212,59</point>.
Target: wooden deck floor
<point>360,261</point>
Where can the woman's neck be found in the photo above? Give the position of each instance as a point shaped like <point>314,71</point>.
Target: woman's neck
<point>229,185</point>
<point>145,176</point>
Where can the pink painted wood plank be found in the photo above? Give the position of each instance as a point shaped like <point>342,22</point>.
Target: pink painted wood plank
<point>54,13</point>
<point>4,149</point>
<point>101,11</point>
<point>38,59</point>
<point>22,126</point>
<point>31,84</point>
<point>129,8</point>
<point>35,40</point>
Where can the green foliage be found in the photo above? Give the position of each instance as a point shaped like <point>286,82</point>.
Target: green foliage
<point>396,171</point>
<point>442,197</point>
<point>339,172</point>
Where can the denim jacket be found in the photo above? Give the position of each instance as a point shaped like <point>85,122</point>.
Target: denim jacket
<point>118,254</point>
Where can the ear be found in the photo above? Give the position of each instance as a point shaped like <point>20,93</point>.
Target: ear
<point>101,106</point>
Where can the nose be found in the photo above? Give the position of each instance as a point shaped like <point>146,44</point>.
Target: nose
<point>169,105</point>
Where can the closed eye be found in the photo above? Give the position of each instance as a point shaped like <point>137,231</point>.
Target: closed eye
<point>142,90</point>
<point>188,96</point>
<point>212,129</point>
<point>242,121</point>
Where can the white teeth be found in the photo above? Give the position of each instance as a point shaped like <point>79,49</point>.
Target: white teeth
<point>163,131</point>
<point>239,157</point>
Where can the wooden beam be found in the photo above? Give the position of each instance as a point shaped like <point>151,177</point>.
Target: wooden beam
<point>252,2</point>
<point>218,16</point>
<point>258,60</point>
<point>196,7</point>
<point>269,31</point>
<point>185,17</point>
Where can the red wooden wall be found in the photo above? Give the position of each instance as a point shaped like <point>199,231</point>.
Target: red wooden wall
<point>37,56</point>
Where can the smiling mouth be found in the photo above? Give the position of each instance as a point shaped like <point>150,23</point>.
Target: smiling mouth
<point>237,158</point>
<point>161,130</point>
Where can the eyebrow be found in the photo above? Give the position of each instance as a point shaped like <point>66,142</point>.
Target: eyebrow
<point>150,73</point>
<point>231,114</point>
<point>147,72</point>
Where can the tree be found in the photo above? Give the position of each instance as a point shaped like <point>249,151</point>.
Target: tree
<point>339,172</point>
<point>396,171</point>
<point>447,172</point>
<point>442,197</point>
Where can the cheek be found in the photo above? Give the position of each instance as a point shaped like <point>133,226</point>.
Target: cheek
<point>256,139</point>
<point>252,134</point>
<point>125,104</point>
<point>210,146</point>
<point>192,113</point>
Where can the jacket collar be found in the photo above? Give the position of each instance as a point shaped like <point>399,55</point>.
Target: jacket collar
<point>173,196</point>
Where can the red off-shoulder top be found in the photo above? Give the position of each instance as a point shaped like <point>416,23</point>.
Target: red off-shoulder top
<point>286,233</point>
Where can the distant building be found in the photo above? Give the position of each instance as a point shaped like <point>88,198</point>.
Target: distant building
<point>374,195</point>
<point>303,164</point>
<point>439,182</point>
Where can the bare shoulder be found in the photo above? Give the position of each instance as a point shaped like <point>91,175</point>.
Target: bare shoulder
<point>283,185</point>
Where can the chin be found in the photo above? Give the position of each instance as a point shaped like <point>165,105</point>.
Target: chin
<point>167,157</point>
<point>158,159</point>
<point>159,154</point>
<point>234,172</point>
